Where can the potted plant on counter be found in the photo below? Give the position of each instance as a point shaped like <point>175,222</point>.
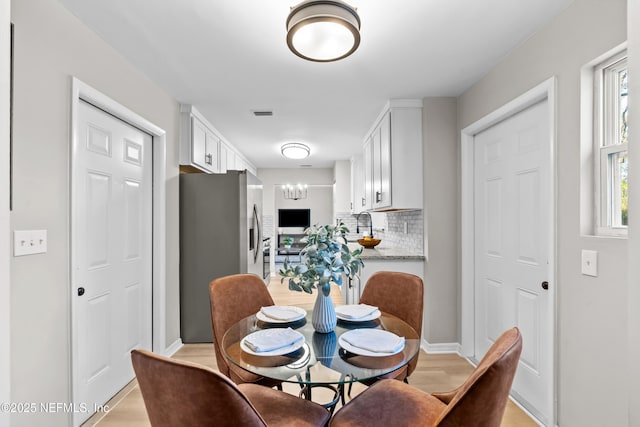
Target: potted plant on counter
<point>287,241</point>
<point>325,258</point>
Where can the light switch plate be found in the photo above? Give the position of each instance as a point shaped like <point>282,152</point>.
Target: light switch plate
<point>590,263</point>
<point>29,242</point>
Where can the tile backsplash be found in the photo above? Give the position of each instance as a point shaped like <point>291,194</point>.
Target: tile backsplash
<point>393,228</point>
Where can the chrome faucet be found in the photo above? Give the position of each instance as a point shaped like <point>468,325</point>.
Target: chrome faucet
<point>370,223</point>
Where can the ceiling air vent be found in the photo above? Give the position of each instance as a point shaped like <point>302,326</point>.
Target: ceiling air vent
<point>262,113</point>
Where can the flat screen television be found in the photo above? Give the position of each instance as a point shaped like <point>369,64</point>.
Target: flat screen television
<point>294,217</point>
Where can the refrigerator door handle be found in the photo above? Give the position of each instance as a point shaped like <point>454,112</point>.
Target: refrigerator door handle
<point>256,221</point>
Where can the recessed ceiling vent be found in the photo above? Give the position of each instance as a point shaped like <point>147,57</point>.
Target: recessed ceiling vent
<point>262,113</point>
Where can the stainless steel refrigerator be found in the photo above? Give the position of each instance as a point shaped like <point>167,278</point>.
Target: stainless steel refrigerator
<point>220,234</point>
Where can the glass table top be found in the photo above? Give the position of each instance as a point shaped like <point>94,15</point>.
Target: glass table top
<point>320,360</point>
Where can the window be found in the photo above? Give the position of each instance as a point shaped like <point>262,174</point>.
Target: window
<point>611,144</point>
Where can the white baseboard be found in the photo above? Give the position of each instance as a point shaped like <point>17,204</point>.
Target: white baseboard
<point>441,348</point>
<point>173,348</point>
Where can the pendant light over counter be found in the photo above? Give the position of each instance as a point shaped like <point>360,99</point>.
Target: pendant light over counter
<point>323,31</point>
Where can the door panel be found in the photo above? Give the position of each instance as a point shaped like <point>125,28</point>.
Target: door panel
<point>512,242</point>
<point>112,236</point>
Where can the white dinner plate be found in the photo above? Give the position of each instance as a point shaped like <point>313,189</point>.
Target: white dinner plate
<point>361,351</point>
<point>277,352</point>
<point>371,316</point>
<point>301,313</point>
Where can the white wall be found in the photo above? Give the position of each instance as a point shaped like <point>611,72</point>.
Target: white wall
<point>51,45</point>
<point>5,245</point>
<point>633,24</point>
<point>441,180</point>
<point>591,312</point>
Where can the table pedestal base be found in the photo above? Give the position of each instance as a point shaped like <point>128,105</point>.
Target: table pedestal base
<point>338,395</point>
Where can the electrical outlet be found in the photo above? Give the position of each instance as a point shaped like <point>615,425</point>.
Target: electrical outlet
<point>590,263</point>
<point>29,242</point>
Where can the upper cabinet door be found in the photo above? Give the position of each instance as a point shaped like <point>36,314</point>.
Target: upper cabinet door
<point>198,143</point>
<point>382,164</point>
<point>393,158</point>
<point>203,147</point>
<point>357,183</point>
<point>367,202</point>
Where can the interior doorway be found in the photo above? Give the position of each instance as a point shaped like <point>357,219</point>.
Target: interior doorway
<point>508,238</point>
<point>112,194</point>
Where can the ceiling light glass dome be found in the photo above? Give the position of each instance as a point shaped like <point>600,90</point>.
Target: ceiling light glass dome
<point>323,31</point>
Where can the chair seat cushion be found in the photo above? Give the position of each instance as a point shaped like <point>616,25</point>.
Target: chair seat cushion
<point>390,403</point>
<point>283,409</point>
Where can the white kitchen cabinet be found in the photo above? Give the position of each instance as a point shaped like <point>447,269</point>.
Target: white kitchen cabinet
<point>224,150</point>
<point>341,187</point>
<point>357,183</point>
<point>367,156</point>
<point>203,147</point>
<point>381,164</point>
<point>199,144</point>
<point>350,290</point>
<point>371,266</point>
<point>393,158</point>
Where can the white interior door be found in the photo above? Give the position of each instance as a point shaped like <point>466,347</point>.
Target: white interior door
<point>513,233</point>
<point>112,237</point>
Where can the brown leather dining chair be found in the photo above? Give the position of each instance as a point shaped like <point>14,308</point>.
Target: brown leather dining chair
<point>233,298</point>
<point>479,402</point>
<point>399,294</point>
<point>179,393</point>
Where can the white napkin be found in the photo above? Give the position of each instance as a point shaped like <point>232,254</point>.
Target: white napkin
<point>280,312</point>
<point>272,339</point>
<point>375,340</point>
<point>355,311</point>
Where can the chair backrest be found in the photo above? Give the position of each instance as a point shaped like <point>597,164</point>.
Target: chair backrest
<point>178,393</point>
<point>482,398</point>
<point>400,294</point>
<point>233,298</point>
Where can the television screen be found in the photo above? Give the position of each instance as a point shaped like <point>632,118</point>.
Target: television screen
<point>294,217</point>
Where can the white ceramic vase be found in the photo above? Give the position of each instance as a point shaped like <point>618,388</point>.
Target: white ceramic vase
<point>324,318</point>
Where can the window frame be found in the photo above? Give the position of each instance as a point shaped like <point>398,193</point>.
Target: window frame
<point>606,143</point>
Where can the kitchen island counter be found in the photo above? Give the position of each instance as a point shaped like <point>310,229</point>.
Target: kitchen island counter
<point>382,253</point>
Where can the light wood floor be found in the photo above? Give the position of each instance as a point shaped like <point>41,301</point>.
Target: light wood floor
<point>435,372</point>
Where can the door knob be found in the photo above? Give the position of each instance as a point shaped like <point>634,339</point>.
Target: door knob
<point>545,285</point>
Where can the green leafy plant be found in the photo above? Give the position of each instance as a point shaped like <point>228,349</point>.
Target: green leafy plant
<point>287,241</point>
<point>325,257</point>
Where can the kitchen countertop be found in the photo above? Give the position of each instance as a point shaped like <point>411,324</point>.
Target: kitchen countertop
<point>382,253</point>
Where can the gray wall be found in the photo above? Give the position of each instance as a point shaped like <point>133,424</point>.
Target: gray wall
<point>5,245</point>
<point>51,46</point>
<point>633,24</point>
<point>591,312</point>
<point>441,181</point>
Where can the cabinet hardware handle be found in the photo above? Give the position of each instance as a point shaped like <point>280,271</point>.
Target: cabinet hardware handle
<point>545,285</point>
<point>378,196</point>
<point>80,291</point>
<point>208,159</point>
<point>364,201</point>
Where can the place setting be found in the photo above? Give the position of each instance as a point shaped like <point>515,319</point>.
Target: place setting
<point>371,348</point>
<point>279,315</point>
<point>273,347</point>
<point>358,314</point>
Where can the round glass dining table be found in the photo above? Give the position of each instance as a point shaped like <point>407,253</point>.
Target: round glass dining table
<point>320,361</point>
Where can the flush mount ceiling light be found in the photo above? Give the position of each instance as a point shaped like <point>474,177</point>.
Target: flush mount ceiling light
<point>294,150</point>
<point>323,31</point>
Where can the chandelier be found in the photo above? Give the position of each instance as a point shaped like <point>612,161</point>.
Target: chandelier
<point>294,192</point>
